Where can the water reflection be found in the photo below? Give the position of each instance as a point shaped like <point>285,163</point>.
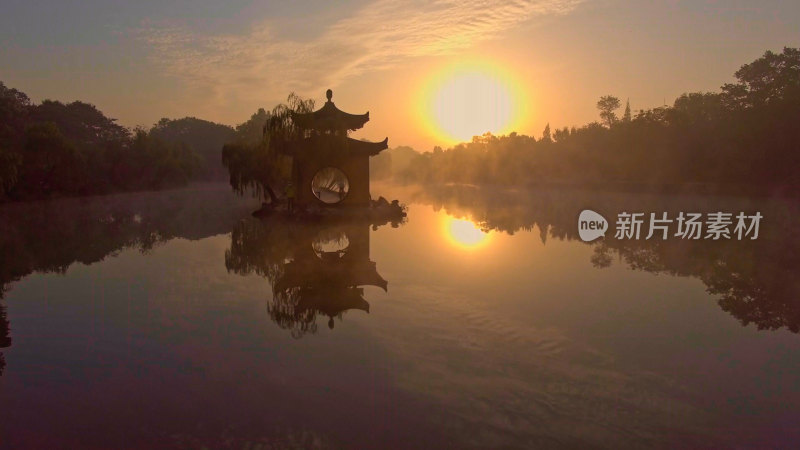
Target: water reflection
<point>465,234</point>
<point>754,280</point>
<point>314,268</point>
<point>498,346</point>
<point>5,339</point>
<point>51,236</point>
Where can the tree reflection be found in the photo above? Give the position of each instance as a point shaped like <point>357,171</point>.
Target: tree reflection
<point>754,280</point>
<point>50,236</point>
<point>5,338</point>
<point>314,268</point>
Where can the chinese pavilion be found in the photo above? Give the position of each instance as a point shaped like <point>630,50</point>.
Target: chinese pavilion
<point>329,167</point>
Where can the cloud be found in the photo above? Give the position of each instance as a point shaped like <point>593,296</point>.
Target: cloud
<point>232,68</point>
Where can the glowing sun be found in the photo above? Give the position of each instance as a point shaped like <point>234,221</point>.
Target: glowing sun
<point>469,100</point>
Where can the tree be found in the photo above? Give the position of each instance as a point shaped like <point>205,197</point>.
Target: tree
<point>773,77</point>
<point>561,134</point>
<point>50,163</point>
<point>626,117</point>
<point>698,106</point>
<point>607,105</point>
<point>546,137</point>
<point>261,162</point>
<point>9,170</point>
<point>203,137</point>
<point>15,108</point>
<point>81,123</point>
<point>158,163</point>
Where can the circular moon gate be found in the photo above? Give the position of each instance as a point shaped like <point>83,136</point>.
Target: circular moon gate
<point>325,245</point>
<point>330,185</point>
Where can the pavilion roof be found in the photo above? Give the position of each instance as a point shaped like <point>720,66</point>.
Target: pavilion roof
<point>333,302</point>
<point>330,118</point>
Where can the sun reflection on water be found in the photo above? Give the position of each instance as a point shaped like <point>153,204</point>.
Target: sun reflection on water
<point>465,234</point>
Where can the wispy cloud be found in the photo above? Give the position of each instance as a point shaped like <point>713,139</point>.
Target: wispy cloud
<point>231,68</point>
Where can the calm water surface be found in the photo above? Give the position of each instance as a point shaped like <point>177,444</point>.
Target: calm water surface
<point>174,319</point>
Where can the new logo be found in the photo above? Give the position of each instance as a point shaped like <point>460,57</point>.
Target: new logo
<point>591,225</point>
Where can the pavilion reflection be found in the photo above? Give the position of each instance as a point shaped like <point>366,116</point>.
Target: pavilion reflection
<point>315,269</point>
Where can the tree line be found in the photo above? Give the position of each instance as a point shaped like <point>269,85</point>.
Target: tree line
<point>55,149</point>
<point>745,135</point>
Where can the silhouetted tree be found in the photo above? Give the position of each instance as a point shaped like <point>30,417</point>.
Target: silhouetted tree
<point>546,134</point>
<point>561,134</point>
<point>203,137</point>
<point>161,164</point>
<point>81,123</point>
<point>772,78</point>
<point>607,105</point>
<point>50,163</point>
<point>74,149</point>
<point>15,108</point>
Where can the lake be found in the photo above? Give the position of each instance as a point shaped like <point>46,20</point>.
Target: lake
<point>175,319</point>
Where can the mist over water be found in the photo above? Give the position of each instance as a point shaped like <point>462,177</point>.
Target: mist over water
<point>175,318</point>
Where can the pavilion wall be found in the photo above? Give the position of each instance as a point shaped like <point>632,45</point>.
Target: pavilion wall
<point>356,168</point>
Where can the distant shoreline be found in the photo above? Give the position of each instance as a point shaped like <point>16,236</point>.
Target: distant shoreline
<point>630,187</point>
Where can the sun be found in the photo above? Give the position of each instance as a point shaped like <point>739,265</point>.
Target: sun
<point>470,99</point>
<point>465,234</point>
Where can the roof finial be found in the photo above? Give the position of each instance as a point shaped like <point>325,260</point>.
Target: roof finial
<point>329,94</point>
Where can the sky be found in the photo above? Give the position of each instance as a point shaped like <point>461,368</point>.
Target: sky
<point>429,73</point>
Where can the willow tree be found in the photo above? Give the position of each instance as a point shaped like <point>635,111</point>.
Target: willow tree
<point>260,159</point>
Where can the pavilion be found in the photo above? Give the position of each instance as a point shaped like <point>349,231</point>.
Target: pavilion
<point>330,168</point>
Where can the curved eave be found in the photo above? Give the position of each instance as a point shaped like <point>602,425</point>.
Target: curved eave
<point>329,117</point>
<point>368,148</point>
